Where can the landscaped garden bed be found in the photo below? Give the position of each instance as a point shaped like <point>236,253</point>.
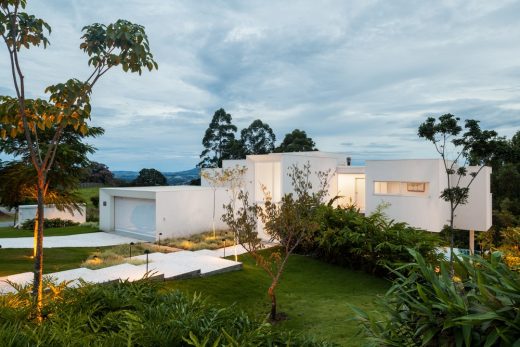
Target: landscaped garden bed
<point>206,240</point>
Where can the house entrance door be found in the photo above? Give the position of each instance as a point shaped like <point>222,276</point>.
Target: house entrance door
<point>360,193</point>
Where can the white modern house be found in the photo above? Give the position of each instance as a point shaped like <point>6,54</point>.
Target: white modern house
<point>411,188</point>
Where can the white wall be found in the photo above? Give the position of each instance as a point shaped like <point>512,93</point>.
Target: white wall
<point>477,213</point>
<point>318,162</point>
<point>187,212</point>
<point>428,211</point>
<point>27,212</point>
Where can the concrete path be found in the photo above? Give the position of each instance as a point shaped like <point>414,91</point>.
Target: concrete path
<point>98,239</point>
<point>166,266</point>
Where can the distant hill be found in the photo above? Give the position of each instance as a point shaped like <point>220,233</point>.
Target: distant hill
<point>174,178</point>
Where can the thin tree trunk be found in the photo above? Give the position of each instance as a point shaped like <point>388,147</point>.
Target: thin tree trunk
<point>452,240</point>
<point>38,259</point>
<point>272,295</point>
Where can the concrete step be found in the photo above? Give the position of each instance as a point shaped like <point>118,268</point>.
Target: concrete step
<point>208,265</point>
<point>23,279</point>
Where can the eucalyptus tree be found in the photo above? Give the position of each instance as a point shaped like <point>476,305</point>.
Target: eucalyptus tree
<point>458,150</point>
<point>296,141</point>
<point>258,138</point>
<point>217,140</point>
<point>120,44</point>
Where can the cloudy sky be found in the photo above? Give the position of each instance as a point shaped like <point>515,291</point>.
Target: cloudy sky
<point>357,76</point>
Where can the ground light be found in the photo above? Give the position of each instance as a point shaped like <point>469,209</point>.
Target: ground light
<point>160,234</point>
<point>131,244</point>
<point>224,240</point>
<point>146,252</point>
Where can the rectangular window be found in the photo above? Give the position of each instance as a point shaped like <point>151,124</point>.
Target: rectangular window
<point>400,188</point>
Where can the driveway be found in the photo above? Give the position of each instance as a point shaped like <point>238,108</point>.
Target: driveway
<point>98,239</point>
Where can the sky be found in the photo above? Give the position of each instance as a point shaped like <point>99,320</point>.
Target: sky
<point>358,76</point>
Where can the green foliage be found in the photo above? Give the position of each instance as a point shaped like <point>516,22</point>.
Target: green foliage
<point>296,141</point>
<point>98,173</point>
<point>287,222</point>
<point>49,223</point>
<point>370,243</point>
<point>150,177</point>
<point>132,314</point>
<point>479,306</point>
<point>217,140</point>
<point>258,138</point>
<point>206,240</point>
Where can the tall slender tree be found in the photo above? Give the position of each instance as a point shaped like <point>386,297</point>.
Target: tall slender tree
<point>217,139</point>
<point>258,138</point>
<point>457,150</point>
<point>119,44</point>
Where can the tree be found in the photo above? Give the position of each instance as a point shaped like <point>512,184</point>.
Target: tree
<point>217,139</point>
<point>98,173</point>
<point>119,44</point>
<point>258,138</point>
<point>288,222</point>
<point>150,177</point>
<point>17,178</point>
<point>458,150</point>
<point>296,141</point>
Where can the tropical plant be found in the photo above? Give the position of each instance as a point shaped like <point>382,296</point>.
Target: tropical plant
<point>371,243</point>
<point>121,44</point>
<point>132,314</point>
<point>474,146</point>
<point>428,306</point>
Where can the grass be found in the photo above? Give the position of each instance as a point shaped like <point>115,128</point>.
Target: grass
<point>313,294</point>
<point>116,255</point>
<point>10,232</point>
<point>202,241</point>
<point>16,260</point>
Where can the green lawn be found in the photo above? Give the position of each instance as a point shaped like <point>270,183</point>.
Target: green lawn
<point>87,193</point>
<point>10,232</point>
<point>16,260</point>
<point>313,294</point>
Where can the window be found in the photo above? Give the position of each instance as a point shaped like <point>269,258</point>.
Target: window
<point>401,188</point>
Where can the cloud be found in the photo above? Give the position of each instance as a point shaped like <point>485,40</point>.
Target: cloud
<point>358,77</point>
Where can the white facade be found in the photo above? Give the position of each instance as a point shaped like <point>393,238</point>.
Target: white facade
<point>173,211</point>
<point>409,188</point>
<point>27,212</point>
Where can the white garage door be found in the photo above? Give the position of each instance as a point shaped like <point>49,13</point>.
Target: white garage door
<point>135,215</point>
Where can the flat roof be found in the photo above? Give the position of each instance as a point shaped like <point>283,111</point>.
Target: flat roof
<point>159,188</point>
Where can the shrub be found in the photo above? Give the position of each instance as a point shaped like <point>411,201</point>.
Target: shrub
<point>49,223</point>
<point>479,306</point>
<point>95,201</point>
<point>133,314</point>
<point>370,243</point>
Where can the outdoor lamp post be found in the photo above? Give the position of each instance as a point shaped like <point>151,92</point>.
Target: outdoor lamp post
<point>160,234</point>
<point>131,244</point>
<point>224,240</point>
<point>146,252</point>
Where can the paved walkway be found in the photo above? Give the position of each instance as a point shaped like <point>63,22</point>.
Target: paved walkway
<point>98,239</point>
<point>165,266</point>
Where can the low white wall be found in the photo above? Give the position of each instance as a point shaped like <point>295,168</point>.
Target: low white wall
<point>187,212</point>
<point>27,212</point>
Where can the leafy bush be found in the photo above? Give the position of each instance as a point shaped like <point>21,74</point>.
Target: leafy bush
<point>370,243</point>
<point>49,223</point>
<point>132,314</point>
<point>95,201</point>
<point>479,306</point>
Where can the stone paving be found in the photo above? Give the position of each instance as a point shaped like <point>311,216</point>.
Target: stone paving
<point>98,239</point>
<point>167,266</point>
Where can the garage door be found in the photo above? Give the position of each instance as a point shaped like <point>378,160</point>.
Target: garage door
<point>135,215</point>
